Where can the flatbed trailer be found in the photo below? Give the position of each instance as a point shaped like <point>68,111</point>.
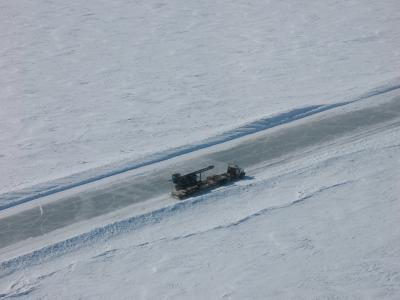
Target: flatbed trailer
<point>191,184</point>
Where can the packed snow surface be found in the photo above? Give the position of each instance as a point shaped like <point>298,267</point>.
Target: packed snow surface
<point>90,83</point>
<point>95,83</point>
<point>322,226</point>
<point>272,146</point>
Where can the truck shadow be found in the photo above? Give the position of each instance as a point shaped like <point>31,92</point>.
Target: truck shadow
<point>248,177</point>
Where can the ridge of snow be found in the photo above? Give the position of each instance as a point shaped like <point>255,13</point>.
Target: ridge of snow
<point>12,199</point>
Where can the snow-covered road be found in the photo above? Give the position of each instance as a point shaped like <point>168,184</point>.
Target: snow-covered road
<point>271,147</point>
<point>94,83</point>
<point>320,225</point>
<point>101,101</point>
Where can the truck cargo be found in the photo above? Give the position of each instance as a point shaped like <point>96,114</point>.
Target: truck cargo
<point>192,184</point>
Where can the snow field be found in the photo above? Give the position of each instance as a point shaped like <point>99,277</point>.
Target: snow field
<point>96,84</point>
<point>88,84</point>
<point>311,228</point>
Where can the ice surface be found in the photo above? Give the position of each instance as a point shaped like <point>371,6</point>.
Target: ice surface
<point>86,84</point>
<point>95,83</point>
<point>322,225</point>
<point>267,147</point>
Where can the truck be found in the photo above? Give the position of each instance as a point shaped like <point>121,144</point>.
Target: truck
<point>192,183</point>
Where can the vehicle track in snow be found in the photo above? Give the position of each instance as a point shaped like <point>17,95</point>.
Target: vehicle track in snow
<point>17,197</point>
<point>269,146</point>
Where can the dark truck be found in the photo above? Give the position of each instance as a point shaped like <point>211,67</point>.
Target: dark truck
<point>190,184</point>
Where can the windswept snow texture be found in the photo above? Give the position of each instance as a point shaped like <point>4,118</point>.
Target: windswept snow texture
<point>322,226</point>
<point>90,83</point>
<point>14,198</point>
<point>270,147</point>
<point>11,199</point>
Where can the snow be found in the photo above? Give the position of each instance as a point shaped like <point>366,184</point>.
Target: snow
<point>87,84</point>
<point>94,89</point>
<point>322,226</point>
<point>38,191</point>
